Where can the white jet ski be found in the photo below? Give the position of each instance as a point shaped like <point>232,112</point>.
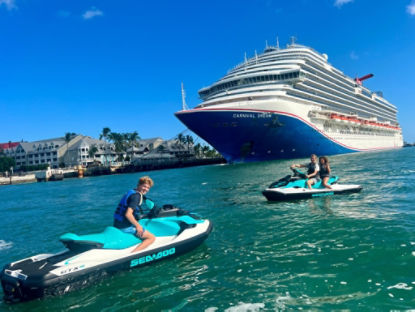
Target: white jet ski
<point>295,187</point>
<point>89,258</point>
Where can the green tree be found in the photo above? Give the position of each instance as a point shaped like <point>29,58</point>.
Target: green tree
<point>68,138</point>
<point>92,151</point>
<point>105,132</point>
<point>197,149</point>
<point>6,163</point>
<point>119,141</point>
<point>205,150</point>
<point>180,138</point>
<point>132,138</point>
<point>189,141</point>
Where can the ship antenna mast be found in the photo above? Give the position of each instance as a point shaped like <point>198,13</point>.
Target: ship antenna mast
<point>278,44</point>
<point>293,40</point>
<point>184,106</point>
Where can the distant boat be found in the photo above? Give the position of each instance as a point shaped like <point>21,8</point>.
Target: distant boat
<point>288,103</point>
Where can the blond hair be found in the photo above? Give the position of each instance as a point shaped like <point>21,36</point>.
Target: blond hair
<point>145,180</point>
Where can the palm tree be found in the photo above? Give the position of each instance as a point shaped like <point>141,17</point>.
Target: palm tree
<point>105,132</point>
<point>68,138</point>
<point>197,148</point>
<point>118,139</point>
<point>205,150</point>
<point>133,137</point>
<point>189,141</point>
<point>180,138</point>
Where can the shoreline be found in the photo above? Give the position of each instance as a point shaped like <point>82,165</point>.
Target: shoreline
<point>130,168</point>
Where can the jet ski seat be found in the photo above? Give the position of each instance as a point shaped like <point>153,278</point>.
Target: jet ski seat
<point>110,238</point>
<point>332,180</point>
<point>113,238</point>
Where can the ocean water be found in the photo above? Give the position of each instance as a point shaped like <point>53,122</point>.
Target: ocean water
<point>345,252</point>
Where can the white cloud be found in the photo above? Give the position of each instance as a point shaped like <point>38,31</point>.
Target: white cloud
<point>354,56</point>
<point>93,12</point>
<point>340,3</point>
<point>10,4</point>
<point>411,8</point>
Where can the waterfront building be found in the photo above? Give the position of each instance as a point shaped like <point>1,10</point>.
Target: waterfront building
<point>176,148</point>
<point>143,147</point>
<point>58,152</point>
<point>79,152</point>
<point>38,152</point>
<point>164,151</point>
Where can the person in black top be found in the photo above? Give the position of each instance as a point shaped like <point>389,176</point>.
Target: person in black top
<point>324,171</point>
<point>312,170</point>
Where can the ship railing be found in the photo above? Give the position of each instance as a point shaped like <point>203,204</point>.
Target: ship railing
<point>353,119</point>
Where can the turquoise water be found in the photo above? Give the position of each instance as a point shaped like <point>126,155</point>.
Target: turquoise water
<point>345,252</point>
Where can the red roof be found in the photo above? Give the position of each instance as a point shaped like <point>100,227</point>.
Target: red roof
<point>8,145</point>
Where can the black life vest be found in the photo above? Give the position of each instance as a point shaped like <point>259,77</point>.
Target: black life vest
<point>324,172</point>
<point>311,168</point>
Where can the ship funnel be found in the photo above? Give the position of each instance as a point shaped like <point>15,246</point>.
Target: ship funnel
<point>359,80</point>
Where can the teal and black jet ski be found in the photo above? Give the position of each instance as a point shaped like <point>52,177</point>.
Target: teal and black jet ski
<point>89,258</point>
<point>295,187</point>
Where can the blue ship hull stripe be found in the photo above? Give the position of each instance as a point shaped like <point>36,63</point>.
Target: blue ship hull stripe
<point>352,149</point>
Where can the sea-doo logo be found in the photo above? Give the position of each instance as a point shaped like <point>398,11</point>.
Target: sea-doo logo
<point>322,194</point>
<point>149,258</point>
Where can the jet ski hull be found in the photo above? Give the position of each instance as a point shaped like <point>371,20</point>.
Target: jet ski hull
<point>282,194</point>
<point>56,274</point>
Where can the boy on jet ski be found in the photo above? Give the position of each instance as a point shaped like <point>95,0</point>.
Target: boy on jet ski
<point>312,170</point>
<point>131,206</point>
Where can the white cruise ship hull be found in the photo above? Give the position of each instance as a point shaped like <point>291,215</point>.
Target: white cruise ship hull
<point>278,128</point>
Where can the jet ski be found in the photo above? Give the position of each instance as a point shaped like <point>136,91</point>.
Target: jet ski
<point>89,258</point>
<point>295,187</point>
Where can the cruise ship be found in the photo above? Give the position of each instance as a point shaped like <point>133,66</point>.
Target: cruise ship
<point>289,103</point>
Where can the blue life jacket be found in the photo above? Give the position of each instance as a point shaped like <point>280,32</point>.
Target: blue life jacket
<point>144,207</point>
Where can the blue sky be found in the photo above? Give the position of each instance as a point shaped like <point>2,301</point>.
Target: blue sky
<point>79,66</point>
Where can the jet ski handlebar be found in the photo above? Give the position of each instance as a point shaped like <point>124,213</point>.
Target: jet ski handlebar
<point>298,173</point>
